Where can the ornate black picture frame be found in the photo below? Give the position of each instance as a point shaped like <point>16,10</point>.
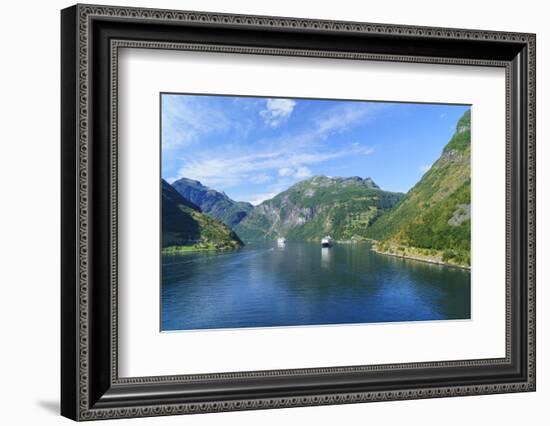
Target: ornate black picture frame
<point>91,387</point>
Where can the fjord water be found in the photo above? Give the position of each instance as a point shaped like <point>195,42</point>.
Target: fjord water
<point>262,285</point>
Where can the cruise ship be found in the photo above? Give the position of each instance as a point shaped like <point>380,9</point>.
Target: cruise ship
<point>327,241</point>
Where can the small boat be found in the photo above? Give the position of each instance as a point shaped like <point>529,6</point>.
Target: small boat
<point>327,241</point>
<point>281,241</point>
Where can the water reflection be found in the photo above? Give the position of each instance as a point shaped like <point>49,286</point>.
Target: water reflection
<point>300,283</point>
<point>325,257</point>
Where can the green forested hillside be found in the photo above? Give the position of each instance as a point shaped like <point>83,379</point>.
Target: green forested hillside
<point>434,216</point>
<point>341,207</point>
<point>186,228</point>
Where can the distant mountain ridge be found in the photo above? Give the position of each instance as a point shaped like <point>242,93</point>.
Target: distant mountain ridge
<point>343,207</point>
<point>214,203</point>
<point>185,226</point>
<point>434,216</point>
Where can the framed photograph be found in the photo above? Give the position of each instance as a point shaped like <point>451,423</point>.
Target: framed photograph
<point>263,212</point>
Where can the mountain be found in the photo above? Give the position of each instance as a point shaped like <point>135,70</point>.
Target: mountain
<point>214,203</point>
<point>185,227</point>
<point>433,219</point>
<point>321,205</point>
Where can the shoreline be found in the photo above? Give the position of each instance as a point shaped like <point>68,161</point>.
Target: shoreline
<point>422,259</point>
<point>353,241</point>
<point>178,250</point>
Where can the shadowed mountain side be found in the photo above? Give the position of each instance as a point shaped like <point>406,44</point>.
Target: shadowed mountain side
<point>184,225</point>
<point>214,203</point>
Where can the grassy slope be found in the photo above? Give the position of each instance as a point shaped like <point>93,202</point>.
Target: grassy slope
<point>185,227</point>
<point>421,219</point>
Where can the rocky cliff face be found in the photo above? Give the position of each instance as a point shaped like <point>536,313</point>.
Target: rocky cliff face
<point>339,206</point>
<point>214,203</point>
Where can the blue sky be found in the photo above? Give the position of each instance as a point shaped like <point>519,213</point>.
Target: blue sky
<point>253,148</point>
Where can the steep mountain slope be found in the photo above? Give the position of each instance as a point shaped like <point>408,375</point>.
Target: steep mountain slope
<point>341,207</point>
<point>184,227</point>
<point>434,216</point>
<point>214,203</point>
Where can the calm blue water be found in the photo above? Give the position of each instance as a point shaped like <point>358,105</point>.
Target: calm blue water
<point>302,284</point>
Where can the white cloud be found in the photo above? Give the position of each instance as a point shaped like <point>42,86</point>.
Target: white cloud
<point>256,199</point>
<point>283,160</point>
<point>277,111</point>
<point>285,171</point>
<point>342,117</point>
<point>261,178</point>
<point>299,172</point>
<point>229,170</point>
<point>303,172</point>
<point>185,119</point>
